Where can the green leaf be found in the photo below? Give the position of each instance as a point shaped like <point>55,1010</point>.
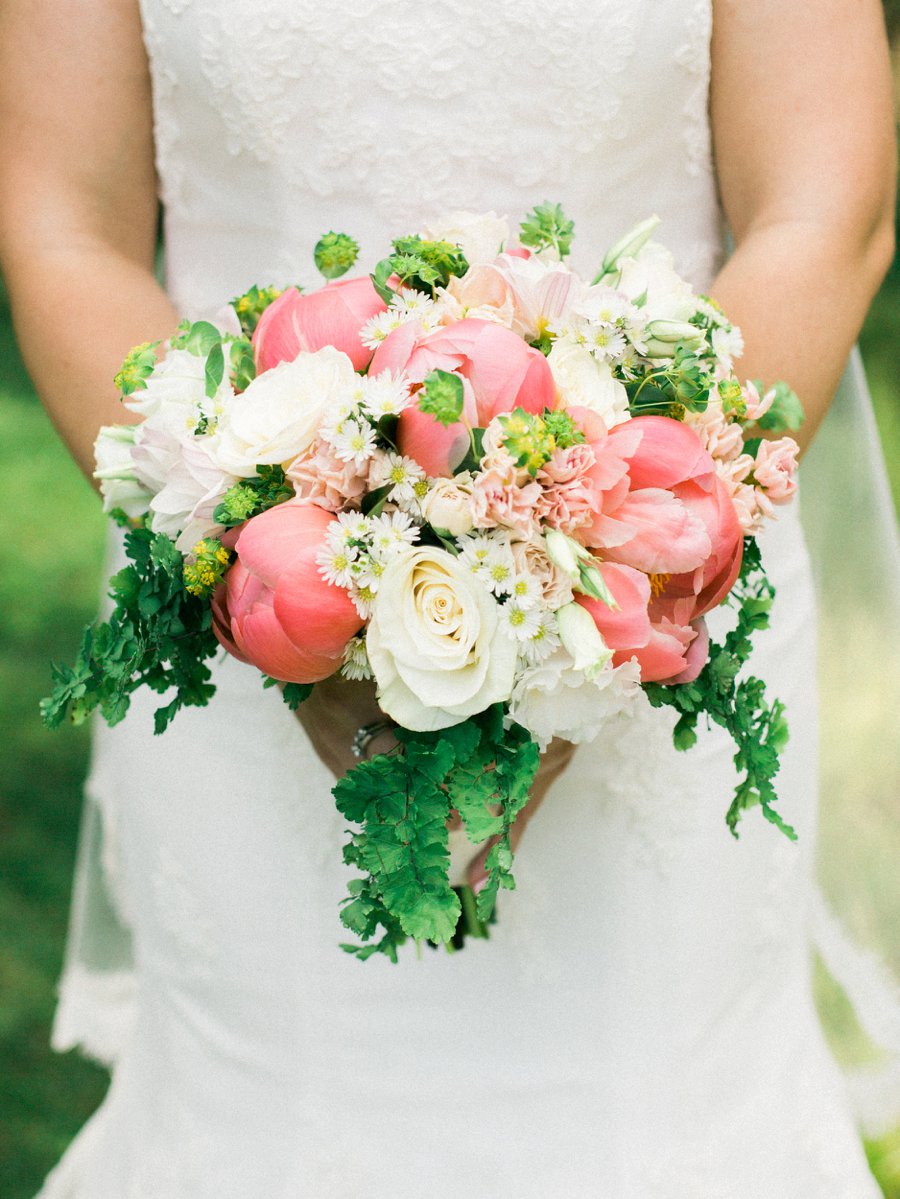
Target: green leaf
<point>547,226</point>
<point>215,369</point>
<point>786,414</point>
<point>199,338</point>
<point>442,396</point>
<point>158,636</point>
<point>380,277</point>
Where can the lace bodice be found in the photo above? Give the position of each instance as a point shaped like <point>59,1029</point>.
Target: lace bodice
<point>375,117</point>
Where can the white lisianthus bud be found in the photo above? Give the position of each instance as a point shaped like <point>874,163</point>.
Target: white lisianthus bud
<point>563,552</point>
<point>448,504</point>
<point>579,565</point>
<point>582,639</point>
<point>674,331</point>
<point>628,246</point>
<point>115,471</point>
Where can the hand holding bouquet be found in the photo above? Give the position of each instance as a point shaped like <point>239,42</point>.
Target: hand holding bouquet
<point>507,495</point>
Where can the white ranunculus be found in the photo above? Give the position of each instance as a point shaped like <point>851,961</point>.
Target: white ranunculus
<point>652,274</point>
<point>279,414</point>
<point>434,642</point>
<point>481,236</point>
<point>448,505</point>
<point>185,480</point>
<point>119,484</point>
<point>178,382</point>
<point>554,699</point>
<point>583,381</point>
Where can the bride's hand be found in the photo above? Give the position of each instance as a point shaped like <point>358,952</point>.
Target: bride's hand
<point>338,708</point>
<point>332,716</point>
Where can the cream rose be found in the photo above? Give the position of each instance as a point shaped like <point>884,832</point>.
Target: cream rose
<point>279,414</point>
<point>434,642</point>
<point>448,504</point>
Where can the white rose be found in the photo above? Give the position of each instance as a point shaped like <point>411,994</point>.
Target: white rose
<point>279,414</point>
<point>434,642</point>
<point>583,381</point>
<point>554,699</point>
<point>448,504</point>
<point>119,484</point>
<point>481,236</point>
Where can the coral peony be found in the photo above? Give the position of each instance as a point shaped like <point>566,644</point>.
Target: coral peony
<point>501,370</point>
<point>274,607</point>
<point>331,316</point>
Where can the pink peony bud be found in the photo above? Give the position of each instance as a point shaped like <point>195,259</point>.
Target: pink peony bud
<point>331,316</point>
<point>276,610</point>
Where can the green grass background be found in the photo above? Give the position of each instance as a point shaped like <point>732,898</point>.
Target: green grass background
<point>49,585</point>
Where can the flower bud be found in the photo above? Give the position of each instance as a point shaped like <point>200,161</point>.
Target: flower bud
<point>581,638</point>
<point>628,246</point>
<point>674,331</point>
<point>563,552</point>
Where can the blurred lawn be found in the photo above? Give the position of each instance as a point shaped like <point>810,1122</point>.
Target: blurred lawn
<point>48,590</point>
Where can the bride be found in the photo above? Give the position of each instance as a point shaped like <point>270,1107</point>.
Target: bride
<point>640,1023</point>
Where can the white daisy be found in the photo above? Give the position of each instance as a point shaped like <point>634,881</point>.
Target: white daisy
<point>336,562</point>
<point>354,442</point>
<point>543,641</point>
<point>521,624</point>
<point>385,395</point>
<point>356,660</point>
<point>525,590</point>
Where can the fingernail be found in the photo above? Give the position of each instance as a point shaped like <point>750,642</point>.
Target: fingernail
<point>479,885</point>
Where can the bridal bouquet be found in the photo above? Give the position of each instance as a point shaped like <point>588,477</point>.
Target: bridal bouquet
<point>506,494</point>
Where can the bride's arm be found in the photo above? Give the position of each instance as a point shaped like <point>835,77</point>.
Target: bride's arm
<point>806,160</point>
<point>78,203</point>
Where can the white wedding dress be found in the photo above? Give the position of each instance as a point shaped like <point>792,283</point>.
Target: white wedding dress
<point>640,1023</point>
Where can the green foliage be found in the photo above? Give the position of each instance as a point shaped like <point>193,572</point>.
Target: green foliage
<point>137,368</point>
<point>252,304</point>
<point>252,496</point>
<point>334,254</point>
<point>158,635</point>
<point>204,570</point>
<point>786,413</point>
<point>402,801</point>
<point>293,694</point>
<point>197,337</point>
<point>562,429</point>
<point>740,706</point>
<point>419,264</point>
<point>680,383</point>
<point>546,227</point>
<point>528,439</point>
<point>442,396</point>
<point>242,364</point>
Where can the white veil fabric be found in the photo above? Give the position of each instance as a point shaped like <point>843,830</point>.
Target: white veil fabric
<point>852,532</point>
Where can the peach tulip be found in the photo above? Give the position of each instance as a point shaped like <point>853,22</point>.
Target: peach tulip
<point>331,316</point>
<point>274,608</point>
